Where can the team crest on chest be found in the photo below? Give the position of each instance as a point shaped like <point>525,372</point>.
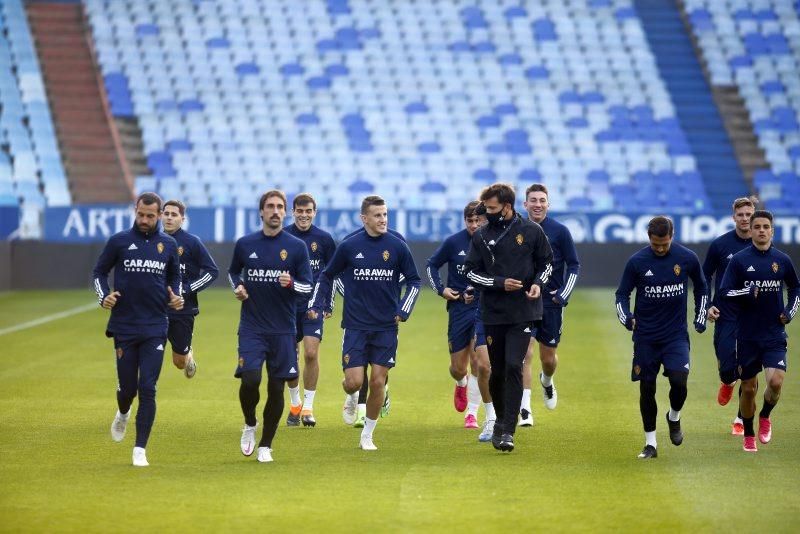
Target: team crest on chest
<point>314,246</point>
<point>520,239</point>
<point>284,254</point>
<point>160,248</point>
<point>180,251</point>
<point>385,255</point>
<point>775,267</point>
<point>676,269</point>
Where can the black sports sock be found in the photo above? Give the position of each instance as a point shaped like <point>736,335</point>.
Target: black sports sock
<point>739,413</point>
<point>272,410</point>
<point>748,426</point>
<point>766,409</point>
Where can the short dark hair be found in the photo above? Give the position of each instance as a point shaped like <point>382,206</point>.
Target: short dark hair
<point>469,209</point>
<point>660,226</point>
<point>148,199</point>
<point>372,200</point>
<point>503,192</point>
<point>745,201</point>
<point>762,214</point>
<point>271,193</point>
<point>303,199</point>
<point>178,204</point>
<point>536,187</point>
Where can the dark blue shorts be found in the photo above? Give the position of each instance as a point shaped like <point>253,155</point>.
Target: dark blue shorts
<point>649,357</point>
<point>308,327</point>
<point>361,347</point>
<point>548,330</point>
<point>755,355</point>
<point>460,327</point>
<point>480,334</point>
<point>725,350</point>
<point>181,328</point>
<point>279,351</point>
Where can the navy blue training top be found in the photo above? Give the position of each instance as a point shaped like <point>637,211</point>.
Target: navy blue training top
<point>758,316</point>
<point>371,268</point>
<point>453,252</point>
<point>144,264</point>
<point>321,246</point>
<point>257,263</point>
<point>720,252</point>
<point>198,270</point>
<point>661,293</point>
<point>566,265</point>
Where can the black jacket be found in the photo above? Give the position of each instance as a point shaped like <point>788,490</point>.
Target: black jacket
<point>515,249</point>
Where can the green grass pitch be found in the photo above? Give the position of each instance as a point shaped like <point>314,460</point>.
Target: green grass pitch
<point>575,470</point>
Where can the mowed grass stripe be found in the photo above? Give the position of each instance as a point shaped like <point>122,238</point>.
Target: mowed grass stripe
<point>574,470</point>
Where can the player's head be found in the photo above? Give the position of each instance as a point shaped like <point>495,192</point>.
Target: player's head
<point>472,220</point>
<point>374,215</point>
<point>761,228</point>
<point>498,203</point>
<point>660,230</point>
<point>743,209</point>
<point>272,208</point>
<point>148,211</point>
<point>537,202</point>
<point>173,215</point>
<point>304,209</point>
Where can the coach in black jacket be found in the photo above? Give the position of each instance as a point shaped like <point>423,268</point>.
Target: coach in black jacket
<point>509,260</point>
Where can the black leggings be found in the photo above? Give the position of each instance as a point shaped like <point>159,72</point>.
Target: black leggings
<point>273,409</point>
<point>647,398</point>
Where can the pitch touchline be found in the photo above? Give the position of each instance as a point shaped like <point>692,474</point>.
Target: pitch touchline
<point>48,318</point>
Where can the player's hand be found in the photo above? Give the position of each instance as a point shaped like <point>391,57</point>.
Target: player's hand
<point>534,292</point>
<point>469,297</point>
<point>111,300</point>
<point>449,294</point>
<point>327,315</point>
<point>712,314</point>
<point>630,323</point>
<point>783,319</point>
<point>398,319</point>
<point>312,314</point>
<point>511,284</point>
<point>285,279</point>
<point>175,301</point>
<point>241,293</point>
<point>699,328</point>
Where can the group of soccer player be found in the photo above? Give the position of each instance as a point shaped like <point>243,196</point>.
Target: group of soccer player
<point>286,278</point>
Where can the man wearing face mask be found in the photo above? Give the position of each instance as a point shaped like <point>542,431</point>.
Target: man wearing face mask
<point>509,260</point>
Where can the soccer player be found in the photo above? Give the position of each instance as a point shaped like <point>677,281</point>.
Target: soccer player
<point>373,261</point>
<point>461,306</point>
<point>659,273</point>
<point>722,312</point>
<point>555,297</point>
<point>755,278</point>
<point>198,271</point>
<point>354,410</point>
<point>509,260</point>
<point>320,246</point>
<point>147,282</point>
<point>269,272</point>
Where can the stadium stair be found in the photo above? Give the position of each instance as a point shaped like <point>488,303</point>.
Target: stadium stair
<point>88,140</point>
<point>698,115</point>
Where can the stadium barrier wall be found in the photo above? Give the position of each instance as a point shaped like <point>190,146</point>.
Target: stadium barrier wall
<point>43,265</point>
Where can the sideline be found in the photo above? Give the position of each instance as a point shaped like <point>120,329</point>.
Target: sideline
<point>48,318</point>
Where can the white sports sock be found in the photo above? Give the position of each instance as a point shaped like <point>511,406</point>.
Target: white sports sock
<point>546,381</point>
<point>674,416</point>
<point>490,415</point>
<point>473,396</point>
<point>369,426</point>
<point>294,395</point>
<point>650,438</point>
<point>463,382</point>
<point>526,400</point>
<point>308,399</point>
<point>362,409</point>
<point>124,416</point>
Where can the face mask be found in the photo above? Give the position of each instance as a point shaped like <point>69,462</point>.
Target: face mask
<point>496,218</point>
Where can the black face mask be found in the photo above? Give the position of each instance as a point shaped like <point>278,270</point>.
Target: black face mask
<point>495,218</point>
